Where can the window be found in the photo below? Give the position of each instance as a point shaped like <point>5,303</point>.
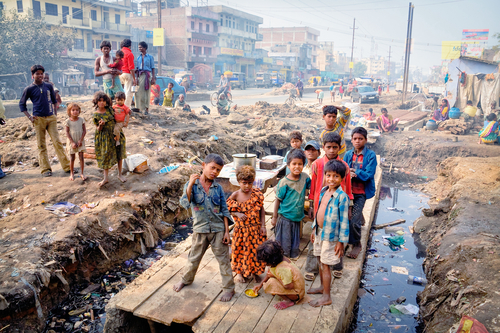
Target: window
<point>200,27</point>
<point>114,45</point>
<point>215,26</point>
<point>37,12</point>
<point>117,18</point>
<point>234,25</point>
<point>192,25</point>
<point>208,51</point>
<point>208,27</point>
<point>93,14</point>
<point>50,9</point>
<point>190,51</point>
<point>77,13</point>
<point>19,6</point>
<point>79,44</point>
<point>65,14</point>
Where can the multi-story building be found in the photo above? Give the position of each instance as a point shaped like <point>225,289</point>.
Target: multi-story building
<point>238,33</point>
<point>325,58</point>
<point>92,21</point>
<point>303,38</point>
<point>375,65</point>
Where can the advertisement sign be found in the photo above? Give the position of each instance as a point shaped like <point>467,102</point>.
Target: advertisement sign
<point>233,52</point>
<point>351,64</point>
<point>451,49</point>
<point>267,60</point>
<point>475,34</point>
<point>158,37</point>
<point>473,49</point>
<point>279,62</point>
<point>149,34</point>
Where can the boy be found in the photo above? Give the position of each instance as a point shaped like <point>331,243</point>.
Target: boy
<point>122,113</point>
<point>44,119</point>
<point>363,164</point>
<point>289,204</point>
<point>331,146</point>
<point>312,152</point>
<point>335,124</point>
<point>210,224</point>
<point>295,143</point>
<point>332,93</point>
<point>117,64</point>
<point>331,228</point>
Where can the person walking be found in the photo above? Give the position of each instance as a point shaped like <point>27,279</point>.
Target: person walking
<point>128,71</point>
<point>300,87</point>
<point>146,77</point>
<point>44,119</point>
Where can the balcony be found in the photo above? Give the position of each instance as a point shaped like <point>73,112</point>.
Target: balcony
<point>80,54</point>
<point>236,32</point>
<point>111,28</point>
<point>260,37</point>
<point>67,21</point>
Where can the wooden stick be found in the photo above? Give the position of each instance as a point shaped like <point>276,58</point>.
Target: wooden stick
<point>380,226</point>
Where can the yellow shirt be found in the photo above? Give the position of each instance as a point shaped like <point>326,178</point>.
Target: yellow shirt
<point>2,110</point>
<point>470,110</point>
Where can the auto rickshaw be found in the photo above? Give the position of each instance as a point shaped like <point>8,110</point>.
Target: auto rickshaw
<point>238,80</point>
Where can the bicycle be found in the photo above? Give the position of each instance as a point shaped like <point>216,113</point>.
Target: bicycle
<point>214,98</point>
<point>293,97</point>
<point>7,93</point>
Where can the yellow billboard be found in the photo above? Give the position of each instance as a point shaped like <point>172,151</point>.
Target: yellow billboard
<point>451,49</point>
<point>158,37</point>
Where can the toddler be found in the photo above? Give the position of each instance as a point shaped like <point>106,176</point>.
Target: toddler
<point>75,132</point>
<point>122,114</point>
<point>117,64</point>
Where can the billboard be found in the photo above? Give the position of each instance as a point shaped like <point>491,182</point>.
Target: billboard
<point>475,34</point>
<point>472,49</point>
<point>233,52</point>
<point>451,49</point>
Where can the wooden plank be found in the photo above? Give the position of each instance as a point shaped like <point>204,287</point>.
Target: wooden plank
<point>133,296</point>
<point>252,313</point>
<point>383,225</point>
<point>166,305</point>
<point>307,315</point>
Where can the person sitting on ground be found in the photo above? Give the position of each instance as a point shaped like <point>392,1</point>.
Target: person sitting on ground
<point>441,114</point>
<point>116,64</point>
<point>469,111</point>
<point>168,95</point>
<point>363,164</point>
<point>330,229</point>
<point>489,133</point>
<point>283,277</point>
<point>223,106</point>
<point>155,94</point>
<point>181,104</point>
<point>493,107</point>
<point>211,218</point>
<point>247,208</point>
<point>386,123</point>
<point>370,115</point>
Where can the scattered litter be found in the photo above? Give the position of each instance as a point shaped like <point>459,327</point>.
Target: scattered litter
<point>471,325</point>
<point>146,140</point>
<point>110,229</point>
<point>213,138</point>
<point>63,209</point>
<point>399,270</point>
<point>394,209</point>
<point>89,205</point>
<point>472,170</point>
<point>168,168</point>
<point>416,280</point>
<point>34,228</point>
<point>15,272</point>
<point>408,309</point>
<point>396,240</point>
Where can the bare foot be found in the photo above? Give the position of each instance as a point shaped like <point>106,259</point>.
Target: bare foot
<point>283,305</point>
<point>239,279</point>
<point>257,278</point>
<point>318,290</point>
<point>72,177</point>
<point>103,182</point>
<point>123,180</point>
<point>355,251</point>
<point>226,297</point>
<point>178,286</point>
<point>83,177</point>
<point>323,300</point>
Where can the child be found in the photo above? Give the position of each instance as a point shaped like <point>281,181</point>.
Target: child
<point>386,123</point>
<point>332,93</point>
<point>341,91</point>
<point>122,114</point>
<point>331,229</point>
<point>106,155</point>
<point>489,133</point>
<point>370,115</point>
<point>290,195</point>
<point>312,151</point>
<point>75,132</point>
<point>363,164</point>
<point>247,208</point>
<point>295,143</point>
<point>117,64</point>
<point>283,277</point>
<point>331,146</point>
<point>168,95</point>
<point>336,124</point>
<point>321,95</point>
<point>469,111</point>
<point>210,224</point>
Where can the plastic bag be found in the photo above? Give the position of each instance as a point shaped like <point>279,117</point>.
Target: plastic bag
<point>396,240</point>
<point>470,325</point>
<point>133,161</point>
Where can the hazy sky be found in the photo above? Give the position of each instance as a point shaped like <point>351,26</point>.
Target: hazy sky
<point>384,20</point>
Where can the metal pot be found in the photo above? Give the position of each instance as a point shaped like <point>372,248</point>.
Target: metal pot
<point>244,159</point>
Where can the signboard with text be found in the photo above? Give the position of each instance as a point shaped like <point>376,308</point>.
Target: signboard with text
<point>233,52</point>
<point>475,34</point>
<point>158,37</point>
<point>451,49</point>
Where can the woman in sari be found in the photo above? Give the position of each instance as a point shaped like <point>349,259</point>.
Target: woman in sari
<point>441,114</point>
<point>489,133</point>
<point>155,94</point>
<point>386,123</point>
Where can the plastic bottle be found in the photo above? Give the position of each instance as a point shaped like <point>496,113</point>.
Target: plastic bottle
<point>417,280</point>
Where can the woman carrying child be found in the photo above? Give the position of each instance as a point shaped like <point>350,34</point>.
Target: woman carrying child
<point>75,132</point>
<point>283,277</point>
<point>106,150</point>
<point>247,207</point>
<point>489,133</point>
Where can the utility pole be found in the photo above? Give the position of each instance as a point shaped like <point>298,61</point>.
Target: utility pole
<point>351,64</point>
<point>389,70</point>
<point>408,52</point>
<point>158,3</point>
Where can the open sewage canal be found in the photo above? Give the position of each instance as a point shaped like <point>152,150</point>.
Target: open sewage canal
<point>387,300</point>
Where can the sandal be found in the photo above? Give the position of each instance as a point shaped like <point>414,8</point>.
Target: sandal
<point>309,276</point>
<point>47,174</point>
<point>337,274</point>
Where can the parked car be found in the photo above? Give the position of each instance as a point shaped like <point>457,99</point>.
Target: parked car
<point>163,82</point>
<point>362,94</point>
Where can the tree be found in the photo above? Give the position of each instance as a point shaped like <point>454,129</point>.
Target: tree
<point>359,69</point>
<point>26,41</point>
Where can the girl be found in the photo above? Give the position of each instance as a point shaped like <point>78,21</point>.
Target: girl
<point>168,95</point>
<point>385,122</point>
<point>283,277</point>
<point>341,91</point>
<point>247,208</point>
<point>75,132</point>
<point>106,150</point>
<point>489,133</point>
<point>441,114</point>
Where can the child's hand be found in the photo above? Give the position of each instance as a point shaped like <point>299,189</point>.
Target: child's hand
<point>313,237</point>
<point>257,288</point>
<point>241,216</point>
<point>339,249</point>
<point>273,221</point>
<point>193,178</point>
<point>311,212</point>
<point>263,231</point>
<point>101,122</point>
<point>79,143</point>
<point>74,145</point>
<point>353,172</point>
<point>226,240</point>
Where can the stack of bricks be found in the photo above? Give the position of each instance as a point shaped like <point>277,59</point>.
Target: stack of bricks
<point>456,126</point>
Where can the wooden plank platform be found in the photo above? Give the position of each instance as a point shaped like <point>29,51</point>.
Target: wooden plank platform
<point>198,305</point>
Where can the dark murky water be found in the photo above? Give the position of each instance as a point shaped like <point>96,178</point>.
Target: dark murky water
<point>387,267</point>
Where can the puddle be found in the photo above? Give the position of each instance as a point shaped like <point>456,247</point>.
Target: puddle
<point>372,312</point>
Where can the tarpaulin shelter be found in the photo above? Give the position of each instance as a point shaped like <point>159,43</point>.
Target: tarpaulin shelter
<point>481,83</point>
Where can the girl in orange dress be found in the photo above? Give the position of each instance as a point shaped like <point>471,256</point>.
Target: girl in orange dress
<point>247,207</point>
